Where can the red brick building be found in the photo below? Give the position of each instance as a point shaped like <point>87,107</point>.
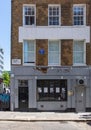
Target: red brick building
<point>51,55</point>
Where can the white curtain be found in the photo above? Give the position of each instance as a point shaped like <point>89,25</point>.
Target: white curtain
<point>54,53</point>
<point>78,52</point>
<point>29,51</point>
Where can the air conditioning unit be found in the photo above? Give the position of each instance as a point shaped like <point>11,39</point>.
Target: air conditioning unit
<point>81,82</point>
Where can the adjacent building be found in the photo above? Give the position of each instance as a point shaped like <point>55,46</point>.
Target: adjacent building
<point>1,61</point>
<point>51,55</point>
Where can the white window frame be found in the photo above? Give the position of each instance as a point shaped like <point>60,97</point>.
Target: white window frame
<point>80,64</point>
<point>84,7</point>
<point>30,64</point>
<point>55,5</point>
<point>59,53</point>
<point>29,5</point>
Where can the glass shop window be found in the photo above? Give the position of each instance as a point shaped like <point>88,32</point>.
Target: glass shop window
<point>52,90</point>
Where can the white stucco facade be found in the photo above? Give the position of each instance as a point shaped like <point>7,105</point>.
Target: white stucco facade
<point>62,32</point>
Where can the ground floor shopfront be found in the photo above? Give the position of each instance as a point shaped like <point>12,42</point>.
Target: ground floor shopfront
<point>58,89</point>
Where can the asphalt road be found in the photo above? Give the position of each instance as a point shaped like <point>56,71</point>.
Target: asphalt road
<point>7,125</point>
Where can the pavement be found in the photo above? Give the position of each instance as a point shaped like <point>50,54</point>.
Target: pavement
<point>44,116</point>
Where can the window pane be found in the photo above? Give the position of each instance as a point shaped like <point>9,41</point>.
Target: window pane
<point>25,11</point>
<point>31,57</point>
<point>27,20</point>
<point>54,58</point>
<point>29,15</point>
<point>31,46</point>
<point>55,21</point>
<point>54,54</point>
<point>29,11</point>
<point>50,21</point>
<point>79,53</point>
<point>39,90</point>
<point>32,20</point>
<point>78,15</point>
<point>54,15</point>
<point>29,52</point>
<point>45,90</point>
<point>53,45</point>
<point>57,90</point>
<point>79,46</point>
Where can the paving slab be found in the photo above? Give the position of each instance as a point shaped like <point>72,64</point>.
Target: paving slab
<point>44,116</point>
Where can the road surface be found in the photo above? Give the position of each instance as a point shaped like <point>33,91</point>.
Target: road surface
<point>59,125</point>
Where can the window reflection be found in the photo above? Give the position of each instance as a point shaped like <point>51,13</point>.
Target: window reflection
<point>23,83</point>
<point>52,90</point>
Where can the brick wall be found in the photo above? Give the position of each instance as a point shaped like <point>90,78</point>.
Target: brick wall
<point>66,52</point>
<point>88,54</point>
<point>42,14</point>
<point>41,59</point>
<point>42,20</point>
<point>66,14</point>
<point>16,47</point>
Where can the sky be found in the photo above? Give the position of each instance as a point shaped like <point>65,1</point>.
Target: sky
<point>5,31</point>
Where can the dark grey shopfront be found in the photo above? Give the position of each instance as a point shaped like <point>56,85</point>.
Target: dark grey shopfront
<point>60,89</point>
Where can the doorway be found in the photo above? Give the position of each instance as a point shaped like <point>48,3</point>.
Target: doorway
<point>80,99</point>
<point>23,98</point>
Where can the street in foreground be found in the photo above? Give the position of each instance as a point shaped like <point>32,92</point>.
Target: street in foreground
<point>63,125</point>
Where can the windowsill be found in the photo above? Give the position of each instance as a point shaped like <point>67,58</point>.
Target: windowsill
<point>28,64</point>
<point>54,25</point>
<point>79,64</point>
<point>51,65</point>
<point>34,25</point>
<point>51,100</point>
<point>58,26</point>
<point>79,25</point>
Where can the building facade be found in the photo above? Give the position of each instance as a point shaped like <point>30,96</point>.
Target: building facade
<point>1,61</point>
<point>51,55</point>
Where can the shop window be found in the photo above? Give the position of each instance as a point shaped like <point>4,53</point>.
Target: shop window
<point>52,90</point>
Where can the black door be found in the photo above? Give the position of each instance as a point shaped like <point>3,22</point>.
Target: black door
<point>23,98</point>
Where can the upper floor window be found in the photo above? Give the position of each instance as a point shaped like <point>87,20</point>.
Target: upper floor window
<point>29,15</point>
<point>54,15</point>
<point>54,53</point>
<point>79,53</point>
<point>29,52</point>
<point>79,15</point>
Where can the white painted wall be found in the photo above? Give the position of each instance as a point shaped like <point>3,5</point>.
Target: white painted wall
<point>62,32</point>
